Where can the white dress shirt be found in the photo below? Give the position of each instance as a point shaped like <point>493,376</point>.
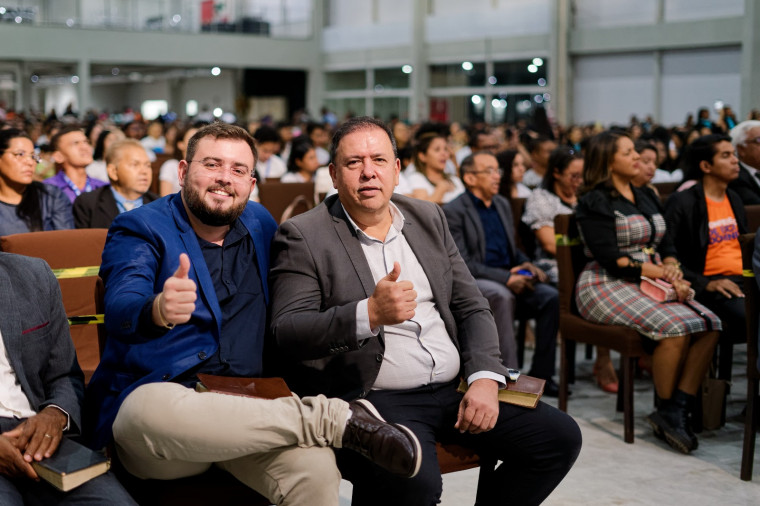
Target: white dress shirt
<point>418,351</point>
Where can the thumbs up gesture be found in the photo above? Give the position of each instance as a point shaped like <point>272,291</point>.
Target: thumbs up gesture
<point>392,301</point>
<point>176,303</point>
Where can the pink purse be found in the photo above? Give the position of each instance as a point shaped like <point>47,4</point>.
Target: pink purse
<point>660,290</point>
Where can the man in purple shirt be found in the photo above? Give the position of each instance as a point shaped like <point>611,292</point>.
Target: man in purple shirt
<point>72,153</point>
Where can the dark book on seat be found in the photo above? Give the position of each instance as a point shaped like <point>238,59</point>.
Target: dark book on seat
<point>71,465</point>
<point>263,388</point>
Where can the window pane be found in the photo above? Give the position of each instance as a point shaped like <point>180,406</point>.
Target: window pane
<point>391,78</point>
<point>519,72</point>
<point>346,80</point>
<point>458,74</point>
<point>345,107</point>
<point>388,107</point>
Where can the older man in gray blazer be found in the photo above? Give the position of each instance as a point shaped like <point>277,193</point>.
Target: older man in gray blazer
<point>41,388</point>
<point>481,223</point>
<point>370,298</point>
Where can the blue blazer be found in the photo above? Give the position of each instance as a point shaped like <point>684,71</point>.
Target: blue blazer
<point>142,250</point>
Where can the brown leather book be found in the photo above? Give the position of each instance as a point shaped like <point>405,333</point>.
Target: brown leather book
<point>263,388</point>
<point>526,391</point>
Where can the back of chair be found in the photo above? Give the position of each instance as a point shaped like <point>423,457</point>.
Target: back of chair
<point>278,197</point>
<point>74,256</point>
<point>753,217</point>
<point>570,260</point>
<point>751,303</point>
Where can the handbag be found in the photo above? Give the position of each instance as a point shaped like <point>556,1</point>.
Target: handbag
<point>660,290</point>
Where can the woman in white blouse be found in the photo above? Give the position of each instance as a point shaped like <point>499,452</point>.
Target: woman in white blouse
<point>430,180</point>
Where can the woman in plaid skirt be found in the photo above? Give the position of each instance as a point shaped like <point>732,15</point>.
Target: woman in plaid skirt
<point>625,235</point>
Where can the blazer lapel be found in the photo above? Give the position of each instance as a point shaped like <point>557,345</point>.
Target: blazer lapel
<point>352,246</point>
<point>505,214</point>
<point>198,263</point>
<point>107,204</point>
<point>262,252</point>
<point>476,224</point>
<point>10,324</point>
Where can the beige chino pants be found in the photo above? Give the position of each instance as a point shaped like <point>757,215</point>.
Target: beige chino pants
<point>280,448</point>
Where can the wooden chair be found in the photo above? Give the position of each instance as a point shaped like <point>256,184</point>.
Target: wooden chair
<point>573,328</point>
<point>156,168</point>
<point>665,189</point>
<point>284,200</point>
<point>753,217</point>
<point>74,256</point>
<point>752,306</point>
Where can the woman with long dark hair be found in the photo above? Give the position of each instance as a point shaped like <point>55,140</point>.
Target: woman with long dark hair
<point>624,230</point>
<point>430,181</point>
<point>27,205</point>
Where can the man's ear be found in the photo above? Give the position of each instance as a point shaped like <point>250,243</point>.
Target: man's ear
<point>331,168</point>
<point>705,166</point>
<point>58,157</point>
<point>468,179</point>
<point>113,174</point>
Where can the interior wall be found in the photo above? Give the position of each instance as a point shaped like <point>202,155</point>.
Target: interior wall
<point>611,88</point>
<point>698,78</point>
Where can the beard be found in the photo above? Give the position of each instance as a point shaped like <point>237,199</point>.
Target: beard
<point>212,217</point>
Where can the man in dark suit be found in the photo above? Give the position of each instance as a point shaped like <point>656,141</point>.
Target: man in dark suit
<point>130,175</point>
<point>481,223</point>
<point>186,293</point>
<point>746,140</point>
<point>41,388</point>
<point>371,299</point>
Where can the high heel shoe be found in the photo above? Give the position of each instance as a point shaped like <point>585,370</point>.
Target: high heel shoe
<point>606,378</point>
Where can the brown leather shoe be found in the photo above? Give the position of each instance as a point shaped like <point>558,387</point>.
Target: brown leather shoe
<point>389,445</point>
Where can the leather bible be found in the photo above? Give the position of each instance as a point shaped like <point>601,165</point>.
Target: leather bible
<point>262,388</point>
<point>526,391</point>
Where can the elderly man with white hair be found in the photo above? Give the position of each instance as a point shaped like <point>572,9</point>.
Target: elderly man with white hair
<point>746,140</point>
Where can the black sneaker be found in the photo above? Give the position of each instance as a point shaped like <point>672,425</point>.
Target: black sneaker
<point>676,436</point>
<point>389,445</point>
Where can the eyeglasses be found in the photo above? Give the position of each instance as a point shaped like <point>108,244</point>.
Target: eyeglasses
<point>756,140</point>
<point>214,166</point>
<point>20,155</point>
<point>490,172</point>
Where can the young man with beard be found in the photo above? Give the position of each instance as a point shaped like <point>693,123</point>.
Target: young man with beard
<point>186,293</point>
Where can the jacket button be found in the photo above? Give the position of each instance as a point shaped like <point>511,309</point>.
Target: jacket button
<point>202,355</point>
<point>379,357</point>
<point>165,377</point>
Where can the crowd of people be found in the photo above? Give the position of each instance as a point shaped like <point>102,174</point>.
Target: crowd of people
<point>442,269</point>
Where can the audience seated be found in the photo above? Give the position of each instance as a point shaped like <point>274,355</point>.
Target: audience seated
<point>320,138</point>
<point>482,226</point>
<point>705,223</point>
<point>269,165</point>
<point>540,149</point>
<point>97,169</point>
<point>302,164</point>
<point>42,388</point>
<point>512,165</point>
<point>624,230</point>
<point>27,205</point>
<point>72,153</point>
<point>430,181</point>
<point>130,175</point>
<point>746,140</point>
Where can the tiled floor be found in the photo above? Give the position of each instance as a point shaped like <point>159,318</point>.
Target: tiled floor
<point>648,472</point>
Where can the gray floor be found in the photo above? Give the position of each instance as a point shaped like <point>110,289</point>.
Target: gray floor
<point>648,472</point>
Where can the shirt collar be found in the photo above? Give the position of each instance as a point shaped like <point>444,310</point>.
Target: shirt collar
<point>397,222</point>
<point>121,199</point>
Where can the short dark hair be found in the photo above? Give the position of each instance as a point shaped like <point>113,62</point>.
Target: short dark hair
<point>63,131</point>
<point>266,134</point>
<point>359,123</point>
<point>702,149</point>
<point>298,150</point>
<point>220,130</point>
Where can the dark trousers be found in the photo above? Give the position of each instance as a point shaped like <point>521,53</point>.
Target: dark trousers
<point>104,489</point>
<point>732,315</point>
<point>537,448</point>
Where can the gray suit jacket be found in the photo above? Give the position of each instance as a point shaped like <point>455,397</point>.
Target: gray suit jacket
<point>36,336</point>
<point>467,230</point>
<point>319,273</point>
<point>747,186</point>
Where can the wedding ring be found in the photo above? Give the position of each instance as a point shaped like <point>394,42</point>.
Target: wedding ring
<point>48,435</point>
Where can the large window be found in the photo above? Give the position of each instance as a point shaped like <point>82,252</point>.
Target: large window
<point>458,74</point>
<point>346,80</point>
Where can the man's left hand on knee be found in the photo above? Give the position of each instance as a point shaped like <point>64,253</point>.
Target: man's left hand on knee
<point>479,408</point>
